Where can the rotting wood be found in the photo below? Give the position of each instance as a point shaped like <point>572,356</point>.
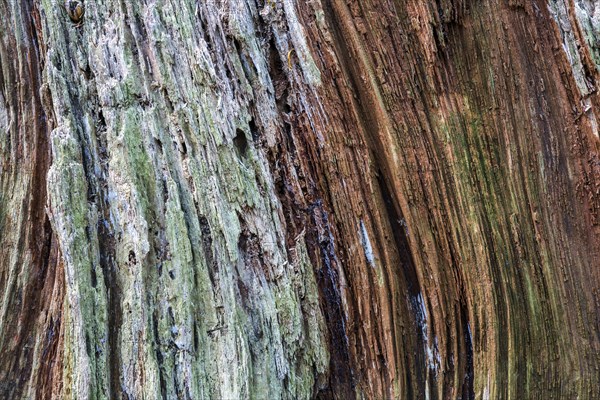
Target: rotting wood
<point>285,199</point>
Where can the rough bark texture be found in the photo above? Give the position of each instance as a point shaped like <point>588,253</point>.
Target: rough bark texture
<point>296,199</point>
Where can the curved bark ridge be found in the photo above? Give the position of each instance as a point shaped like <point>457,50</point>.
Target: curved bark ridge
<point>279,199</point>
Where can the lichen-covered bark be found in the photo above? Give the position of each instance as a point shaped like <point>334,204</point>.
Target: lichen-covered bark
<point>283,199</point>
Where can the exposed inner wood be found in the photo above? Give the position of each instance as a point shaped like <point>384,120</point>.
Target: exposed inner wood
<point>300,199</point>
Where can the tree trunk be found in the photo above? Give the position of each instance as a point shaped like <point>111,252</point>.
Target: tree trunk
<point>266,199</point>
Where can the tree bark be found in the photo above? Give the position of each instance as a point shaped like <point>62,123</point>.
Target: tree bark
<point>267,199</point>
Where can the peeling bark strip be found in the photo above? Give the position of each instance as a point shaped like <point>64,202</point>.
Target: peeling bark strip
<point>299,199</point>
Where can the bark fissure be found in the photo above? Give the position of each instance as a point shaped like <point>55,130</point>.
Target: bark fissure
<point>285,199</point>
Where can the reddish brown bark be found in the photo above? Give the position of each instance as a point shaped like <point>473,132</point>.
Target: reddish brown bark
<point>30,278</point>
<point>440,169</point>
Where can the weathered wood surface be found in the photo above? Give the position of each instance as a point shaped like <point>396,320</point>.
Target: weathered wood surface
<point>296,199</point>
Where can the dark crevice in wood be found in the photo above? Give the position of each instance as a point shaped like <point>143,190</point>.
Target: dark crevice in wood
<point>159,355</point>
<point>320,239</point>
<point>468,392</point>
<point>107,253</point>
<point>208,251</point>
<point>241,143</point>
<point>415,296</point>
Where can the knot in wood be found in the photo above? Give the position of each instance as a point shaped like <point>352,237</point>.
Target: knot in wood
<point>74,9</point>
